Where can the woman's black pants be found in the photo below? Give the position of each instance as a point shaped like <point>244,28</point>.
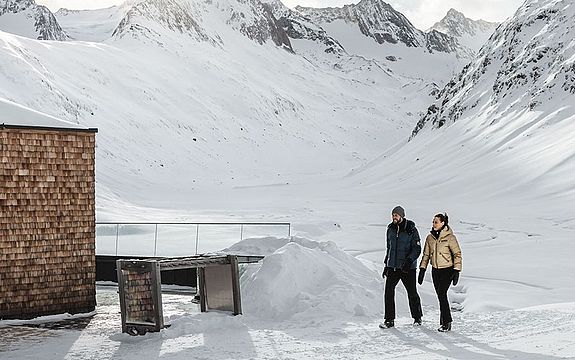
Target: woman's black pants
<point>441,281</point>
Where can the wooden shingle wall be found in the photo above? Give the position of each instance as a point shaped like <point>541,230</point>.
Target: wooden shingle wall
<point>139,297</point>
<point>47,222</point>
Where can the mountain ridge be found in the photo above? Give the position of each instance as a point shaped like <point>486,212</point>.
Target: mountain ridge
<point>471,33</point>
<point>380,21</point>
<point>26,18</point>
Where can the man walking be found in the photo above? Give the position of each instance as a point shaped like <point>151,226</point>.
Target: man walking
<point>403,249</point>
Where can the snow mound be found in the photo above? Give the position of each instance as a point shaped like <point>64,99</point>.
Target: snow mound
<point>257,246</point>
<point>310,280</point>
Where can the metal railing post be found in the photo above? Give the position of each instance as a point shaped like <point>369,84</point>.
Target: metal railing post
<point>197,236</point>
<point>241,232</point>
<point>117,236</point>
<point>156,240</point>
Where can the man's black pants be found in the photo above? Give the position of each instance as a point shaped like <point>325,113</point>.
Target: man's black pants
<point>409,281</point>
<point>441,281</point>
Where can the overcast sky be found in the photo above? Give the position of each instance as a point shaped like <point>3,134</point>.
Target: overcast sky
<point>422,13</point>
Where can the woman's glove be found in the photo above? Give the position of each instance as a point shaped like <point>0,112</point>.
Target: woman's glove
<point>421,276</point>
<point>455,277</point>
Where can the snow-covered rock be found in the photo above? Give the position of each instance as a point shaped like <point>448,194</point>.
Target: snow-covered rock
<point>26,18</point>
<point>299,27</point>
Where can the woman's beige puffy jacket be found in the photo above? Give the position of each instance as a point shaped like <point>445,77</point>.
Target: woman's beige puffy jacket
<point>443,252</point>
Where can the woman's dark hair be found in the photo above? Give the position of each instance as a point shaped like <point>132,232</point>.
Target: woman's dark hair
<point>443,217</point>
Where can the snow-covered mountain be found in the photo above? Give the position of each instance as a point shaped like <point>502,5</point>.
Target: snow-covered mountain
<point>528,65</point>
<point>372,30</point>
<point>92,25</point>
<point>512,110</point>
<point>148,19</point>
<point>26,18</point>
<point>470,33</point>
<point>251,18</point>
<point>380,21</point>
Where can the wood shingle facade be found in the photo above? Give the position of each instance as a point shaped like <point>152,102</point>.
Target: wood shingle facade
<point>47,221</point>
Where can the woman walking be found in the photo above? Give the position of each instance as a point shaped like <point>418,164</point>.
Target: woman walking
<point>442,249</point>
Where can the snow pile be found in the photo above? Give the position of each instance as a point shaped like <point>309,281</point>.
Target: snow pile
<point>310,280</point>
<point>257,246</point>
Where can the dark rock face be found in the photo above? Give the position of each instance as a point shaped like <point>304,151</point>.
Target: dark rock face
<point>297,26</point>
<point>47,25</point>
<point>42,19</point>
<point>264,26</point>
<point>440,42</point>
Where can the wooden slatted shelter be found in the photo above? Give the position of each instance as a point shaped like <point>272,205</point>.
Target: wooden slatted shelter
<point>47,214</point>
<point>139,284</point>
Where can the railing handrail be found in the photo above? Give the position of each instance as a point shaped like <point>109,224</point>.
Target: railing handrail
<point>192,223</point>
<point>197,224</point>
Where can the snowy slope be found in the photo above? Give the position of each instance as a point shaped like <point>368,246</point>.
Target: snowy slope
<point>92,25</point>
<point>12,114</point>
<point>472,34</point>
<point>26,18</point>
<point>517,99</point>
<point>190,96</point>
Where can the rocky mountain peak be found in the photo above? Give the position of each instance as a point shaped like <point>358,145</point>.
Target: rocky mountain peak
<point>252,18</point>
<point>148,17</point>
<point>470,33</point>
<point>33,20</point>
<point>454,14</point>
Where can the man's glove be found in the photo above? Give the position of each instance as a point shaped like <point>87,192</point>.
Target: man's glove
<point>385,272</point>
<point>455,277</point>
<point>406,267</point>
<point>421,276</point>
